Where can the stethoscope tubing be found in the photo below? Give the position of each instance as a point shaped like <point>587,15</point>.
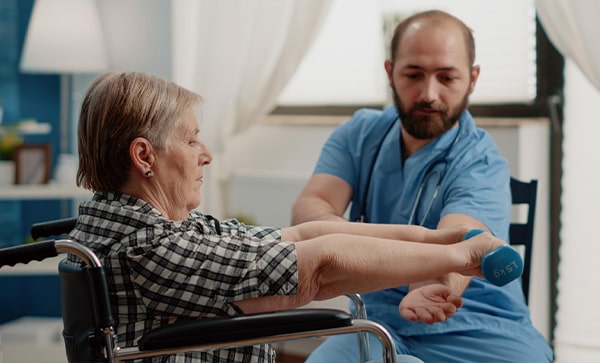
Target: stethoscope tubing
<point>413,212</point>
<point>424,180</point>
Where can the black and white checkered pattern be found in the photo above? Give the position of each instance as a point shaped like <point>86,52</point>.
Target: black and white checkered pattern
<point>161,271</point>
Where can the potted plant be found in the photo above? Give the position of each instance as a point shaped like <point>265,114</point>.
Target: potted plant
<point>9,141</point>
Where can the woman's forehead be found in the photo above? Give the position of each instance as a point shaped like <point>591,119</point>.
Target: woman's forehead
<point>189,124</point>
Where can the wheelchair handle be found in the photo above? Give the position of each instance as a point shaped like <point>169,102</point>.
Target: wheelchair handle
<point>38,251</point>
<point>53,228</point>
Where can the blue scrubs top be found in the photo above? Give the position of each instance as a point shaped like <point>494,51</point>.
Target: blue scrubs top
<point>474,181</point>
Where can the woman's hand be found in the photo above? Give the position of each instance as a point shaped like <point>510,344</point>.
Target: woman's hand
<point>473,250</point>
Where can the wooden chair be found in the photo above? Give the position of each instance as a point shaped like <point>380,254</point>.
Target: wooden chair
<point>521,234</point>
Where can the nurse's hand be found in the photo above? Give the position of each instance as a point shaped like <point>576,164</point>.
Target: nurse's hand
<point>430,304</point>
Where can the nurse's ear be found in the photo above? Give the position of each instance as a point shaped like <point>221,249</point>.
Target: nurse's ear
<point>473,78</point>
<point>389,70</point>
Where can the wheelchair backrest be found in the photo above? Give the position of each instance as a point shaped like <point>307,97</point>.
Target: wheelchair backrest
<point>82,321</point>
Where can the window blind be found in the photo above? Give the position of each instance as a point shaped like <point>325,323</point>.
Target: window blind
<point>345,63</point>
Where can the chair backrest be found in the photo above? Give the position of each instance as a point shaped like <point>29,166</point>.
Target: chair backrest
<point>521,233</point>
<point>82,305</point>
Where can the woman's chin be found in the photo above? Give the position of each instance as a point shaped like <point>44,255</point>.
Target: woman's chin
<point>196,202</point>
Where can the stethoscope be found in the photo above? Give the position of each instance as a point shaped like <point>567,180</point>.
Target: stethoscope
<point>431,170</point>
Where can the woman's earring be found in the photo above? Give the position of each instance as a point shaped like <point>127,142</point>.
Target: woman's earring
<point>148,173</point>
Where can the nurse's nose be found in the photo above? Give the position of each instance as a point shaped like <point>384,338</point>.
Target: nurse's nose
<point>429,90</point>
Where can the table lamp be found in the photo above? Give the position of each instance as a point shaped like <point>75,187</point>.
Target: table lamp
<point>64,37</point>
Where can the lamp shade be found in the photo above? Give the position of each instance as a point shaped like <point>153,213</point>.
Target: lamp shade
<point>64,36</point>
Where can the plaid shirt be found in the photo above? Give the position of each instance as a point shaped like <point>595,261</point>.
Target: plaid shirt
<point>161,271</point>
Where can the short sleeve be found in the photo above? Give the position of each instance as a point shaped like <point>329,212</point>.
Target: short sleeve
<point>349,150</point>
<point>482,188</point>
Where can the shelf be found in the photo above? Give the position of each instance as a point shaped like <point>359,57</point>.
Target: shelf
<point>45,191</point>
<point>24,128</point>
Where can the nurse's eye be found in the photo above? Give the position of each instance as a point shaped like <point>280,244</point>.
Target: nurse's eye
<point>412,75</point>
<point>447,79</point>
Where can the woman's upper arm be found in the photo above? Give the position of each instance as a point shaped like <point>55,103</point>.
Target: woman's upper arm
<point>308,259</point>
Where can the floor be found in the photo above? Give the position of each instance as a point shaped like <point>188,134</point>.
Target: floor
<point>42,344</point>
<point>54,353</point>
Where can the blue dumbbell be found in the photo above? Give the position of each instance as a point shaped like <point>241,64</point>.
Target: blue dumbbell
<point>501,265</point>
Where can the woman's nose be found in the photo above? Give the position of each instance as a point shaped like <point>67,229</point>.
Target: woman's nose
<point>205,156</point>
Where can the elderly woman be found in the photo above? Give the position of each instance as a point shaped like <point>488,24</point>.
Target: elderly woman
<point>140,151</point>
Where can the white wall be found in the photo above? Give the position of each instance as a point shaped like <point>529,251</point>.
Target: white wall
<point>577,334</point>
<point>138,35</point>
<point>138,38</point>
<point>274,158</point>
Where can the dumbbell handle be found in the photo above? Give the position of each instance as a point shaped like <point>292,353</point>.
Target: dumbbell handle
<point>501,265</point>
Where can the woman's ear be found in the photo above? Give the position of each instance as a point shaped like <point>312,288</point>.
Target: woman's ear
<point>142,155</point>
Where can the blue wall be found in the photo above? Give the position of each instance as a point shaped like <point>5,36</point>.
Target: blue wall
<point>35,295</point>
<point>26,96</point>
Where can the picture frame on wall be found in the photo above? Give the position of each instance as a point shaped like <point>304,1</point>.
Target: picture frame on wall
<point>32,163</point>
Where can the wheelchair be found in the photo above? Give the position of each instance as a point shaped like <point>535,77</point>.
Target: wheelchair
<point>89,327</point>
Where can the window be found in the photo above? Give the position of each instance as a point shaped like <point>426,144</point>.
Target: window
<point>343,70</point>
<point>345,63</point>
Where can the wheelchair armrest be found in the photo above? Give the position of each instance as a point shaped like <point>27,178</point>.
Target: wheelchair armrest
<point>242,327</point>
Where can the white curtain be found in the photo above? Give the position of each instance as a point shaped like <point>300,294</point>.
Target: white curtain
<point>238,55</point>
<point>573,27</point>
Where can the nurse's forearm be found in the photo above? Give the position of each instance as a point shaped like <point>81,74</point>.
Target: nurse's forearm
<point>311,208</point>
